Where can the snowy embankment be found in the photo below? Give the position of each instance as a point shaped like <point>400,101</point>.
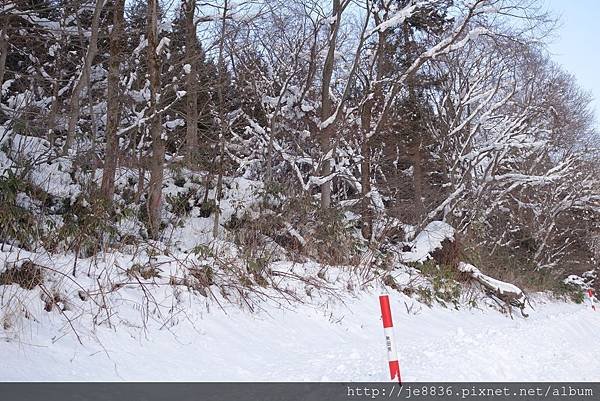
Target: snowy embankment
<point>179,310</point>
<point>331,341</point>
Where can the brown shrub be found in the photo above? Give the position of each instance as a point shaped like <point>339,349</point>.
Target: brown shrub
<point>27,276</point>
<point>450,254</point>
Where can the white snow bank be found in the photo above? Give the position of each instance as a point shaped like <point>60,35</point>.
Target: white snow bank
<point>52,175</point>
<point>180,336</point>
<point>329,341</point>
<point>584,281</point>
<point>427,241</point>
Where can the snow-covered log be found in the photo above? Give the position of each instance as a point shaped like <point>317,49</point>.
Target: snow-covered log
<point>510,294</point>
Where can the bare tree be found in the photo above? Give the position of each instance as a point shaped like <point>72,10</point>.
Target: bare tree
<point>223,126</point>
<point>3,45</point>
<point>158,143</point>
<point>326,125</point>
<point>83,77</point>
<point>191,57</point>
<point>114,102</point>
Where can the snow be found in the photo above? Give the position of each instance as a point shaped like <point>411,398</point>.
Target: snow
<point>294,233</point>
<point>575,280</point>
<point>330,120</point>
<point>328,341</point>
<point>376,199</point>
<point>172,124</point>
<point>399,18</point>
<point>500,286</point>
<point>52,177</point>
<point>163,42</point>
<point>5,86</point>
<point>187,68</point>
<point>470,36</point>
<point>427,241</point>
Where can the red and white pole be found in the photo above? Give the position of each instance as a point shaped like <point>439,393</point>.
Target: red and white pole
<point>591,296</point>
<point>388,329</point>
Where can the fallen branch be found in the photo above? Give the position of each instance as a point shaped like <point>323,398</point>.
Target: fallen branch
<point>509,294</point>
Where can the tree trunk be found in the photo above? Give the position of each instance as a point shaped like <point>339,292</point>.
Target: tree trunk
<point>272,132</point>
<point>365,121</point>
<point>114,103</point>
<point>365,181</point>
<point>158,144</point>
<point>92,50</point>
<point>327,107</point>
<point>416,157</point>
<point>415,152</point>
<point>415,146</point>
<point>222,123</point>
<point>365,171</point>
<point>3,48</point>
<point>191,47</point>
<point>55,107</point>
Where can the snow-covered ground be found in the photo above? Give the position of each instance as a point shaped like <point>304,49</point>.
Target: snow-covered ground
<point>331,341</point>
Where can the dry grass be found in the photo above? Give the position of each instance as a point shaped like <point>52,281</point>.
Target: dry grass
<point>27,276</point>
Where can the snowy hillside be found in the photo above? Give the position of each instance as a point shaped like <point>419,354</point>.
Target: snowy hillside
<point>190,307</point>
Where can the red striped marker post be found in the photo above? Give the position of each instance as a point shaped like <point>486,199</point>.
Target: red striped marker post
<point>591,295</point>
<point>388,329</point>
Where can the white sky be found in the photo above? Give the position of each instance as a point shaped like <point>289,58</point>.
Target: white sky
<point>577,43</point>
